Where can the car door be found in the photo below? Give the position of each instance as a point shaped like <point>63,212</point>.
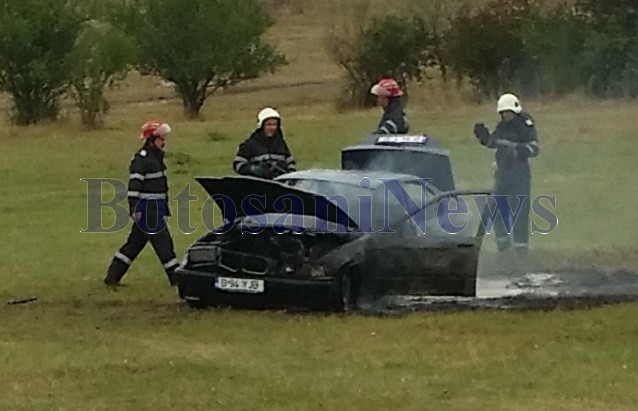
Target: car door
<point>429,253</point>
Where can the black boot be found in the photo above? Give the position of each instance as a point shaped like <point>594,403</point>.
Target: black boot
<point>112,280</point>
<point>503,244</point>
<point>172,277</point>
<point>115,273</point>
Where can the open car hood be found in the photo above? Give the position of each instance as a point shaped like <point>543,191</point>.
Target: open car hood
<point>251,196</point>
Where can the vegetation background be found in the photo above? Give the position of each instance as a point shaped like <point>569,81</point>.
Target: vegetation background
<point>80,347</point>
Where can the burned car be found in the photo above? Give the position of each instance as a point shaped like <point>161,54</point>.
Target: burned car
<point>335,239</point>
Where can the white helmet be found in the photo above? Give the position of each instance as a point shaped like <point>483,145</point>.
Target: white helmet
<point>508,102</point>
<point>266,114</point>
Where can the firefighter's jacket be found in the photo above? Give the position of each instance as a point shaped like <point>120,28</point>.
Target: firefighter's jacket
<point>515,142</point>
<point>394,120</point>
<point>261,149</point>
<point>148,181</point>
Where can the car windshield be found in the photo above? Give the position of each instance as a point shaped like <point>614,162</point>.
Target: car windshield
<point>348,197</point>
<point>329,188</point>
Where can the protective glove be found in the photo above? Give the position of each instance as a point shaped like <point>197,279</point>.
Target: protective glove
<point>482,133</point>
<point>259,170</point>
<point>277,169</point>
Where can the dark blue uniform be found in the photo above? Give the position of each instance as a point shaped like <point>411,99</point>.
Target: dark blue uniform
<point>515,143</point>
<point>264,157</point>
<point>148,195</point>
<point>394,120</point>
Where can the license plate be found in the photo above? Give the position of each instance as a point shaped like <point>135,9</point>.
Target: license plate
<point>239,285</point>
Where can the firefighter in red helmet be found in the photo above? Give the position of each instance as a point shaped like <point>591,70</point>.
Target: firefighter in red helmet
<point>148,204</point>
<point>394,120</point>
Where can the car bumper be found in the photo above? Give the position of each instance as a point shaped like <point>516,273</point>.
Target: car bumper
<point>199,287</point>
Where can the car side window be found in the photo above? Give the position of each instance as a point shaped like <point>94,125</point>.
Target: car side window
<point>415,225</point>
<point>415,189</point>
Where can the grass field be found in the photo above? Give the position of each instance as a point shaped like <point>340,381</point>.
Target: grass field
<point>81,347</point>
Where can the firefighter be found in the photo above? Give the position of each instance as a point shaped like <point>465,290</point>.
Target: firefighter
<point>148,205</point>
<point>394,120</point>
<point>516,141</point>
<point>265,154</point>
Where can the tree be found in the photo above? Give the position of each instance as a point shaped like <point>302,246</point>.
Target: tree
<point>201,45</point>
<point>36,38</point>
<point>102,56</point>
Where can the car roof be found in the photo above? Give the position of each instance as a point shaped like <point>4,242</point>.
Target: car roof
<point>350,177</point>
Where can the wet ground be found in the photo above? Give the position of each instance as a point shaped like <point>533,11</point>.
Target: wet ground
<point>530,290</point>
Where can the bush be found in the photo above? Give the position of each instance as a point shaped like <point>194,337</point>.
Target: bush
<point>514,45</point>
<point>36,38</point>
<point>487,45</point>
<point>395,46</point>
<point>609,56</point>
<point>554,67</point>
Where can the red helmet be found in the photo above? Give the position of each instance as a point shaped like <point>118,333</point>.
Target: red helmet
<point>154,128</point>
<point>387,87</point>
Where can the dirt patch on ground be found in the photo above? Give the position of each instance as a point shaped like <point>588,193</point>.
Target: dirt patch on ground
<point>546,290</point>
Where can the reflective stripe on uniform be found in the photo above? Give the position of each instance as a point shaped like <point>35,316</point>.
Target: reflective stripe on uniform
<point>277,157</point>
<point>533,147</point>
<point>151,176</point>
<point>505,143</point>
<point>123,258</point>
<point>153,196</point>
<point>392,124</point>
<point>147,196</point>
<point>241,160</point>
<point>171,263</point>
<point>384,130</point>
<point>289,160</point>
<point>136,176</point>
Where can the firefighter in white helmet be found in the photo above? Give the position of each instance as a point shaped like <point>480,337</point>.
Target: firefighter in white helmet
<point>265,154</point>
<point>516,141</point>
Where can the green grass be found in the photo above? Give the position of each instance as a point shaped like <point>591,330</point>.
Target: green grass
<point>80,347</point>
<point>149,356</point>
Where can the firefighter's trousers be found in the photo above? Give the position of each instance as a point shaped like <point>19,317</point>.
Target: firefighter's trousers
<point>515,183</point>
<point>162,243</point>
